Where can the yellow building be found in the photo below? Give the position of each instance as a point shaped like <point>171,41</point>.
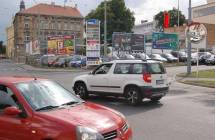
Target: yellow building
<point>10,41</point>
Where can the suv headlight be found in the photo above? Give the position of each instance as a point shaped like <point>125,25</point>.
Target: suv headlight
<point>85,133</point>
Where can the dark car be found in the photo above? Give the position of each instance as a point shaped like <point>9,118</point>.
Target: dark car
<point>204,57</point>
<point>170,58</point>
<point>61,62</point>
<point>180,54</point>
<point>210,60</point>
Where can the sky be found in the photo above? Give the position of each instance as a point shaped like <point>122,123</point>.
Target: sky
<point>143,9</point>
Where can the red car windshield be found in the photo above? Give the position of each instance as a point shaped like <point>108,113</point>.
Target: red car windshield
<point>44,95</point>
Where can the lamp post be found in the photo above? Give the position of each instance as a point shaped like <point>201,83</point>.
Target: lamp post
<point>105,27</point>
<point>189,43</point>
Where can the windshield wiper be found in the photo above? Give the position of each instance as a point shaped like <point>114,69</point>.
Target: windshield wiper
<point>47,108</point>
<point>71,103</point>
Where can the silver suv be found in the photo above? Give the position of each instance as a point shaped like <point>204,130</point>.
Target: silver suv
<point>132,79</point>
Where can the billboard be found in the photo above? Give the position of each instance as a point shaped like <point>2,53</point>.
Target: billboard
<point>93,42</point>
<point>33,47</point>
<point>165,41</point>
<point>61,44</point>
<point>128,41</point>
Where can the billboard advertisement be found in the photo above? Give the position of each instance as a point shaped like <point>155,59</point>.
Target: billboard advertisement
<point>165,41</point>
<point>93,42</point>
<point>128,41</point>
<point>33,47</point>
<point>61,44</point>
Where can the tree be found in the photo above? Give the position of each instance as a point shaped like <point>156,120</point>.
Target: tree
<point>173,18</point>
<point>2,48</point>
<point>119,18</point>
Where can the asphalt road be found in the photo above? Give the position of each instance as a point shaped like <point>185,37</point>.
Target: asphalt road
<point>186,113</point>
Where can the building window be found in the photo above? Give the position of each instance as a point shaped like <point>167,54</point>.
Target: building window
<point>59,25</point>
<point>27,38</point>
<point>26,25</point>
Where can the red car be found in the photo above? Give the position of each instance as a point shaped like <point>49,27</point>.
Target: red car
<point>39,109</point>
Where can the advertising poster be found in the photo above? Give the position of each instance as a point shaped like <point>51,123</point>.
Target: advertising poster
<point>128,41</point>
<point>93,42</point>
<point>61,45</point>
<point>33,47</point>
<point>165,41</point>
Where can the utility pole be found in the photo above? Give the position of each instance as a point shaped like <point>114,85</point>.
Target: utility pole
<point>105,27</point>
<point>189,43</point>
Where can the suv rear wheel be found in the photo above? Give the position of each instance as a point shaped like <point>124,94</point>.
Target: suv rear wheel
<point>133,95</point>
<point>81,90</point>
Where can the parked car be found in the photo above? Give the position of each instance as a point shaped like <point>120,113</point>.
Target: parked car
<point>46,59</point>
<point>61,62</point>
<point>204,57</point>
<point>158,57</point>
<point>197,56</point>
<point>40,109</point>
<point>132,79</point>
<point>76,61</point>
<point>170,58</point>
<point>180,54</point>
<point>127,56</point>
<point>210,60</point>
<point>142,56</point>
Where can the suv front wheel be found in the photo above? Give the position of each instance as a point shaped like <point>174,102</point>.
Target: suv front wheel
<point>81,90</point>
<point>133,95</point>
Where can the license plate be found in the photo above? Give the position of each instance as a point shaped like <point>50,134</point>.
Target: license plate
<point>159,82</point>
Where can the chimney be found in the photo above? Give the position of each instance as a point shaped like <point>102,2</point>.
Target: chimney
<point>76,5</point>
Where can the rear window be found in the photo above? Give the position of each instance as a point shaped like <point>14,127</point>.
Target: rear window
<point>156,68</point>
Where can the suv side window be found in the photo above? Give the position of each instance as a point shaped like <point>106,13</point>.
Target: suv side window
<point>139,68</point>
<point>103,69</point>
<point>123,68</point>
<point>7,98</point>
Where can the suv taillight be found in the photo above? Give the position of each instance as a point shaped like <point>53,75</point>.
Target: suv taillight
<point>147,77</point>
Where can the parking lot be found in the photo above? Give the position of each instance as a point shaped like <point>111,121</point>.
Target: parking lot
<point>186,113</point>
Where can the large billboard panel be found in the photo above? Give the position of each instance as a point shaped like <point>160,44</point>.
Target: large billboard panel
<point>61,45</point>
<point>162,40</point>
<point>128,41</point>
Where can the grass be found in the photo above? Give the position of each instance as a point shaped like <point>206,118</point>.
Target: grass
<point>202,74</point>
<point>210,84</point>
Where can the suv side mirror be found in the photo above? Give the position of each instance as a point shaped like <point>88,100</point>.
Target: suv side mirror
<point>12,111</point>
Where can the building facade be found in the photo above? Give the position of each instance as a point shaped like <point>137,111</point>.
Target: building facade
<point>145,28</point>
<point>43,20</point>
<point>206,14</point>
<point>10,41</point>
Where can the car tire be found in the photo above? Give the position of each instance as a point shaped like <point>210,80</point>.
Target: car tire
<point>156,99</point>
<point>81,90</point>
<point>133,95</point>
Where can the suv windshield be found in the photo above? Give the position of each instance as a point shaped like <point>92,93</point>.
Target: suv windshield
<point>46,94</point>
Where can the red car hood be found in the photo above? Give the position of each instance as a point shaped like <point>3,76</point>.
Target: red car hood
<point>89,115</point>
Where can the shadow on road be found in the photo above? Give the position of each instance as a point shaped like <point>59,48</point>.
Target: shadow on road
<point>122,106</point>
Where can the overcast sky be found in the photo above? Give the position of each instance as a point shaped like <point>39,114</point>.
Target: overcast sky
<point>143,9</point>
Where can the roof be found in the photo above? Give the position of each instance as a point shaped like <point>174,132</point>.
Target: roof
<point>52,10</point>
<point>16,79</point>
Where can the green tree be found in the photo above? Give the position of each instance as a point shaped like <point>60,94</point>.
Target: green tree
<point>173,18</point>
<point>119,17</point>
<point>2,48</point>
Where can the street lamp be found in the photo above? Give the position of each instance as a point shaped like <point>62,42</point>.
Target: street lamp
<point>189,43</point>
